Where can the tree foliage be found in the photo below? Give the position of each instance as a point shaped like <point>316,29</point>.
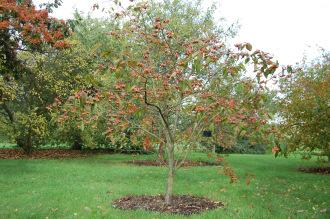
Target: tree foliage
<point>305,108</point>
<point>24,29</point>
<point>161,77</point>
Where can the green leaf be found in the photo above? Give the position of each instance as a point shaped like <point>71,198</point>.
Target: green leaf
<point>184,84</point>
<point>283,147</point>
<point>266,73</point>
<point>136,9</point>
<point>82,127</point>
<point>240,88</point>
<point>271,138</point>
<point>248,46</point>
<point>197,65</point>
<point>212,127</point>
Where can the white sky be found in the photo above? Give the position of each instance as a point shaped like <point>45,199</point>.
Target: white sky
<point>288,29</point>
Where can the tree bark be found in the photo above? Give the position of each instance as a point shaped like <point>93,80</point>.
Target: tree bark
<point>161,156</point>
<point>170,147</point>
<point>26,143</point>
<point>9,112</point>
<point>161,152</point>
<point>170,175</point>
<point>213,148</point>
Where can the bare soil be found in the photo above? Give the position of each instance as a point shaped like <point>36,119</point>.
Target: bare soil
<point>186,163</point>
<point>318,170</point>
<point>182,204</point>
<point>41,154</point>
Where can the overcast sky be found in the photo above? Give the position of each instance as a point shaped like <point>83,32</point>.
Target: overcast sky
<point>288,29</point>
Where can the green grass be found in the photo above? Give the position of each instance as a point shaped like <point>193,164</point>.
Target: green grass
<point>6,145</point>
<point>85,188</point>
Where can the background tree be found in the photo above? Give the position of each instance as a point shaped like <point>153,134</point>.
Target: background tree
<point>305,108</point>
<point>25,29</point>
<point>87,123</point>
<point>61,73</point>
<point>53,74</point>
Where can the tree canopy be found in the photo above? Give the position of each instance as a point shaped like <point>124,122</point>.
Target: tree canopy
<point>305,108</point>
<point>162,76</point>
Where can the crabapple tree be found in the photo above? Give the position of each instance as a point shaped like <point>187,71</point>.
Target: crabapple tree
<point>162,78</point>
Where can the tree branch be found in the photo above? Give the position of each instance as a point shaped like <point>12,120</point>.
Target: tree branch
<point>9,113</point>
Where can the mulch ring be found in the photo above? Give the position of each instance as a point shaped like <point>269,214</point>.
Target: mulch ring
<point>318,170</point>
<point>182,204</point>
<point>41,154</point>
<point>186,163</point>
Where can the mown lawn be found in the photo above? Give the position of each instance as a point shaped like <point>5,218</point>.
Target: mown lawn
<point>85,188</point>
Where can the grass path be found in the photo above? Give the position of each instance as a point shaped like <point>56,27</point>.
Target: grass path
<point>85,188</point>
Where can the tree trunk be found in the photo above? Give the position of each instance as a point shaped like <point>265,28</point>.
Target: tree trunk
<point>29,145</point>
<point>77,144</point>
<point>170,176</point>
<point>161,152</point>
<point>213,148</point>
<point>9,112</point>
<point>25,142</point>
